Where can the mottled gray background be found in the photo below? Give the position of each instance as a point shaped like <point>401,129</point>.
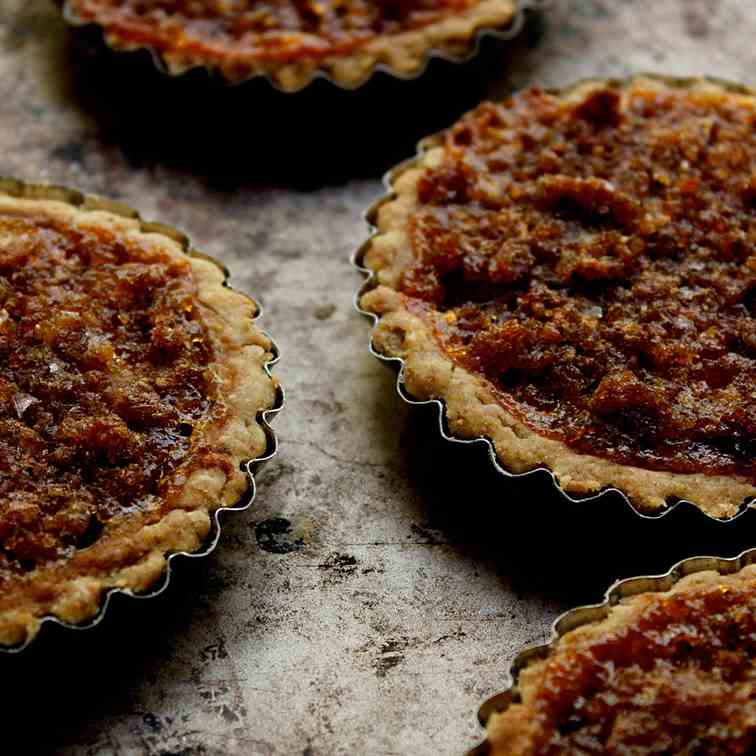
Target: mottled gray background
<point>380,586</point>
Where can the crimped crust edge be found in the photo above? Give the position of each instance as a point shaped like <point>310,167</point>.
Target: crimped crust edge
<point>471,408</point>
<point>245,386</point>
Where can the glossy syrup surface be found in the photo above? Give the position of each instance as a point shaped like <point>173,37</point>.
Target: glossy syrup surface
<point>277,30</point>
<point>679,678</point>
<point>595,260</point>
<point>103,376</point>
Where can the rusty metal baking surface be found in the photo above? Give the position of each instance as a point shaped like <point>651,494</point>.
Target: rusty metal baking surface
<point>376,593</point>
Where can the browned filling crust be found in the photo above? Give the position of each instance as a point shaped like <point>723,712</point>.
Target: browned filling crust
<point>245,30</point>
<point>670,673</point>
<point>103,378</point>
<point>594,261</point>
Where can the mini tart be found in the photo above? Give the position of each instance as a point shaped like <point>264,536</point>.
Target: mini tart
<point>291,40</point>
<point>573,274</point>
<point>666,672</point>
<point>133,384</point>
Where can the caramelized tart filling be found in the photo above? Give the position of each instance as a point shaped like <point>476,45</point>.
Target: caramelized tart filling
<point>593,258</point>
<point>242,30</point>
<point>103,377</point>
<point>679,678</point>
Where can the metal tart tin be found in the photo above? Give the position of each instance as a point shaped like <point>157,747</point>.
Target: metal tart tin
<point>371,281</point>
<point>453,53</point>
<point>16,188</point>
<point>590,613</point>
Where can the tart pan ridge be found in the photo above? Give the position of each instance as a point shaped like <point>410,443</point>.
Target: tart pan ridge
<point>692,569</point>
<point>570,486</point>
<point>192,527</point>
<point>404,55</point>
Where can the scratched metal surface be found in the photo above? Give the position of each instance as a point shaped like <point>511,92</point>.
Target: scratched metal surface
<point>384,580</point>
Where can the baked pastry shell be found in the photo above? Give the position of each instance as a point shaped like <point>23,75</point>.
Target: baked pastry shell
<point>371,282</point>
<point>590,613</point>
<point>19,189</point>
<point>346,72</point>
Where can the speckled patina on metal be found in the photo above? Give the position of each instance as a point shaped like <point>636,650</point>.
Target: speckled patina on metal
<point>376,593</point>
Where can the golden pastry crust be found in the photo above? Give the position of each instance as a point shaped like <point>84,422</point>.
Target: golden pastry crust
<point>131,552</point>
<point>403,53</point>
<point>471,404</point>
<point>675,676</point>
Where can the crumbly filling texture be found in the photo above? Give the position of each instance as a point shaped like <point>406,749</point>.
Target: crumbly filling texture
<point>593,259</point>
<point>104,376</point>
<point>679,678</point>
<point>277,30</point>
